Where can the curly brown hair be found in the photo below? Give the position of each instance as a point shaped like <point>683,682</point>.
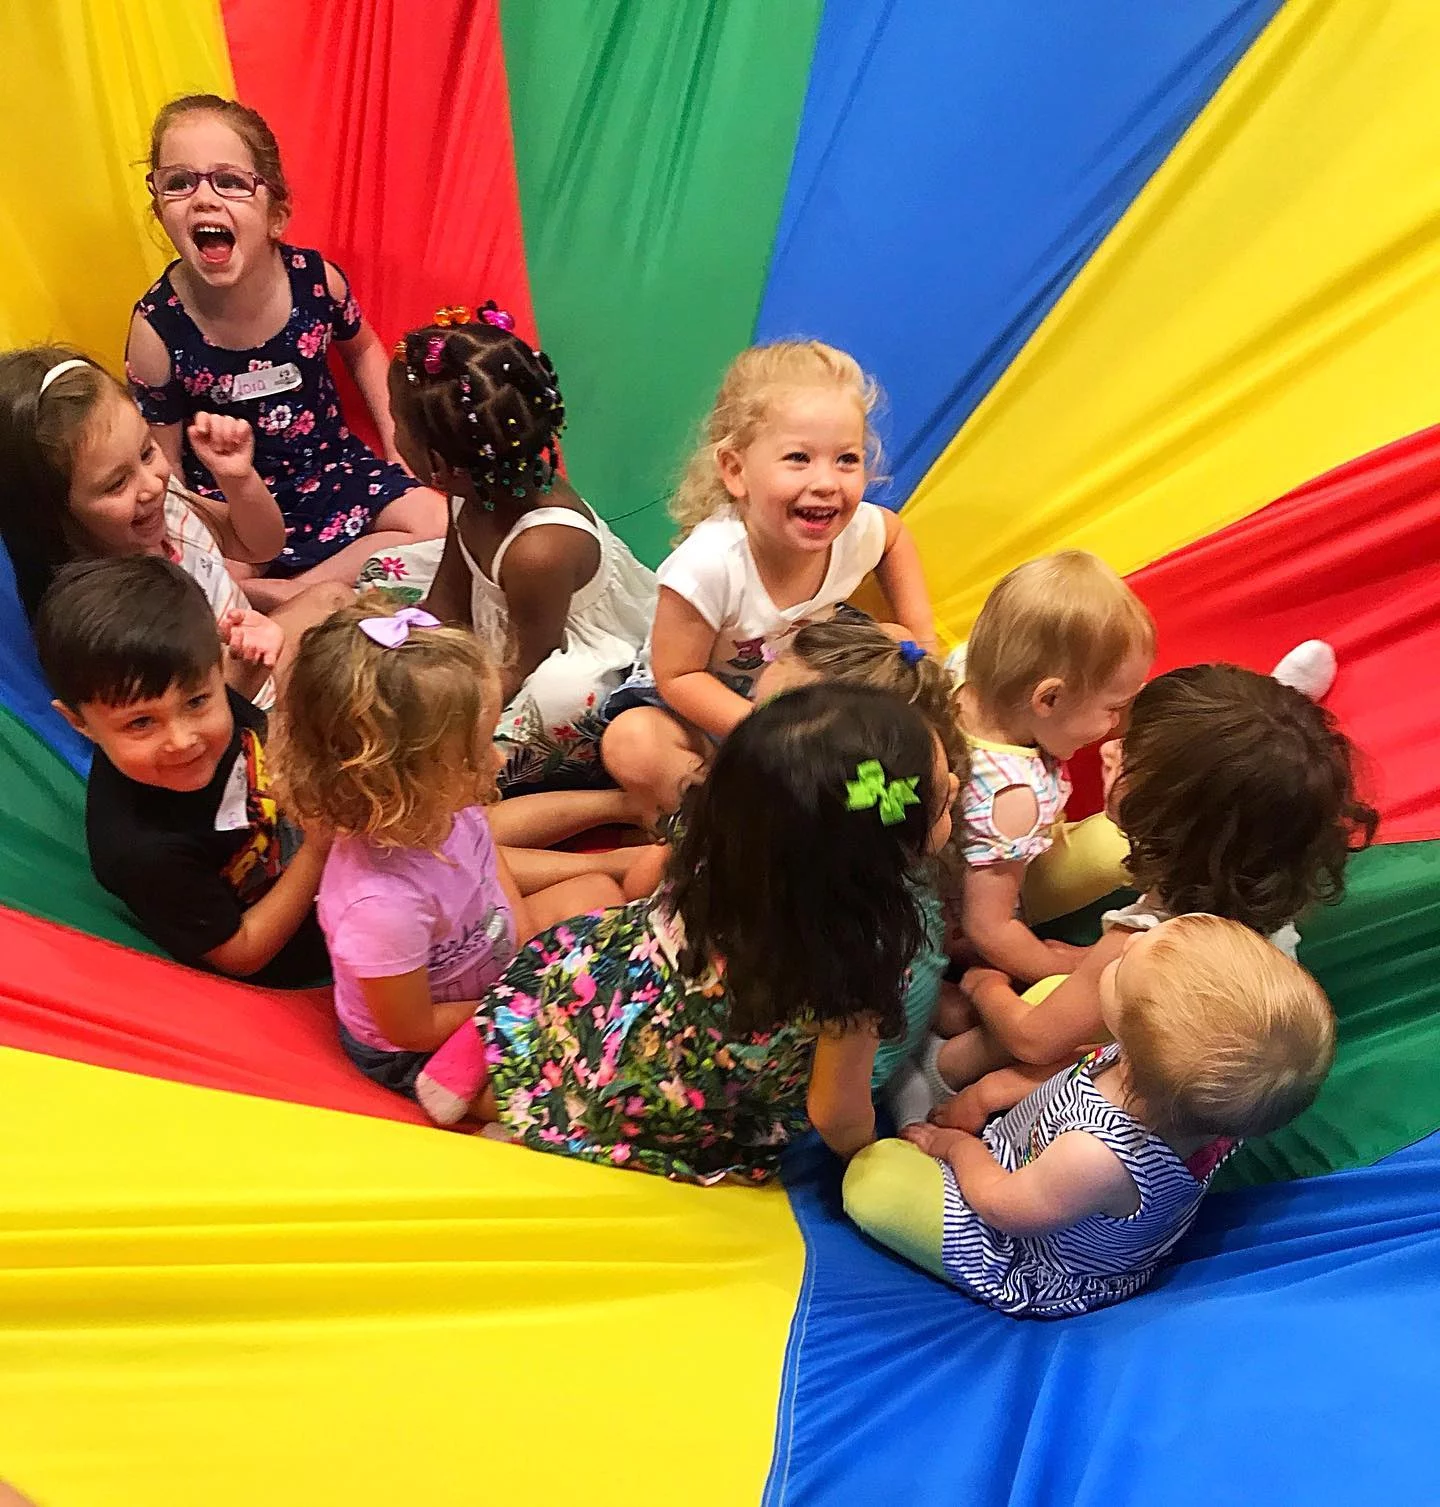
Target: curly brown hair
<point>1238,797</point>
<point>386,744</point>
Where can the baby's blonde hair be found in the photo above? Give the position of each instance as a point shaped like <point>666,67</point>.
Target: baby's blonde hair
<point>743,403</point>
<point>1223,1034</point>
<point>1066,615</point>
<point>386,744</point>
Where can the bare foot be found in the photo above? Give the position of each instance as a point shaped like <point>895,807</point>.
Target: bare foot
<point>966,1111</point>
<point>953,1011</point>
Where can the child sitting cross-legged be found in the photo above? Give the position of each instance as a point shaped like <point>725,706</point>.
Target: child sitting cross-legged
<point>179,817</point>
<point>389,722</point>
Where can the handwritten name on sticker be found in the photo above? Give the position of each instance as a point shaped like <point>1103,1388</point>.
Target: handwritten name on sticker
<point>265,382</point>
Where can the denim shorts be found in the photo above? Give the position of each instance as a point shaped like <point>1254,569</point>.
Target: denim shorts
<point>395,1070</point>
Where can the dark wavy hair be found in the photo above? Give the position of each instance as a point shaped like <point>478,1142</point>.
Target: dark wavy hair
<point>1239,797</point>
<point>808,903</point>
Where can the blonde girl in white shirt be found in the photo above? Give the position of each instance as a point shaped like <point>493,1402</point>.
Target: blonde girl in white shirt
<point>777,535</point>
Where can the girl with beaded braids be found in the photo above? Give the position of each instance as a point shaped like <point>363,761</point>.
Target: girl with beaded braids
<point>528,564</point>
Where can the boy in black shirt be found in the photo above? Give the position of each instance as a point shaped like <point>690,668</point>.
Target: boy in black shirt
<point>179,816</point>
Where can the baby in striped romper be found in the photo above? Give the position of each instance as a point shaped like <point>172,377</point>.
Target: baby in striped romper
<point>1071,1199</point>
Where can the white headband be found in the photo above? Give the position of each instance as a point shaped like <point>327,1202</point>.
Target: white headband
<point>58,371</point>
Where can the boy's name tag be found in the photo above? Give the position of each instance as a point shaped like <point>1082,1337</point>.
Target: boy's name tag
<point>265,382</point>
<point>233,813</point>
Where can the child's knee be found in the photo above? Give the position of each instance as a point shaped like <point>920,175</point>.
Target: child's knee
<point>597,892</point>
<point>641,747</point>
<point>326,597</point>
<point>896,1194</point>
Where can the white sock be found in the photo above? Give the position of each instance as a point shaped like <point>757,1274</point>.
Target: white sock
<point>940,1091</point>
<point>1308,668</point>
<point>917,1088</point>
<point>908,1096</point>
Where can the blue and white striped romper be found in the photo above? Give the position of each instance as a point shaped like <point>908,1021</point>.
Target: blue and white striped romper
<point>1099,1260</point>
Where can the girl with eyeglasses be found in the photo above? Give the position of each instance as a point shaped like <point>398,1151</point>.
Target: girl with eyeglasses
<point>240,325</point>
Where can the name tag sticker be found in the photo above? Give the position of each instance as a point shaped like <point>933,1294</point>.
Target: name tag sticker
<point>233,813</point>
<point>265,382</point>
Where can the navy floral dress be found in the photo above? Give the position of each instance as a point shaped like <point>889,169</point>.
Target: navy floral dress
<point>329,484</point>
<point>600,1047</point>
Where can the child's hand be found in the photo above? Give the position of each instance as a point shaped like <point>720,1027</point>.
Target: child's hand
<point>967,1110</point>
<point>933,1140</point>
<point>224,446</point>
<point>252,638</point>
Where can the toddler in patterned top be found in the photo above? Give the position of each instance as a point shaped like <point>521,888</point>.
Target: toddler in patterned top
<point>240,324</point>
<point>854,651</point>
<point>1060,650</point>
<point>387,746</point>
<point>1074,1196</point>
<point>777,535</point>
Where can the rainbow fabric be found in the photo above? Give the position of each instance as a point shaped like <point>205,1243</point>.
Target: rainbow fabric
<point>1160,281</point>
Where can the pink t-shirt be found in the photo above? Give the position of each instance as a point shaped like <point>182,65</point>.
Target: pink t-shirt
<point>387,911</point>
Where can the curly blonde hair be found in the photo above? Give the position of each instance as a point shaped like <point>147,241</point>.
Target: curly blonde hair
<point>1223,1034</point>
<point>387,744</point>
<point>743,403</point>
<point>1067,615</point>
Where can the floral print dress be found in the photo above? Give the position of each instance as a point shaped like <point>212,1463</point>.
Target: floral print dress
<point>599,1047</point>
<point>329,484</point>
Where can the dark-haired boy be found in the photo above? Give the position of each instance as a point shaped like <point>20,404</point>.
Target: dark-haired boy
<point>179,816</point>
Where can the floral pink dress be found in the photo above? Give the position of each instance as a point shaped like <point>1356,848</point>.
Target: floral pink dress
<point>329,484</point>
<point>599,1046</point>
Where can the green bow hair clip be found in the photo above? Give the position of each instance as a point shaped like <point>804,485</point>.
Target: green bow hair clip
<point>871,788</point>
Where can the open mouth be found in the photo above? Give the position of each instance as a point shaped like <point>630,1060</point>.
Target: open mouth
<point>815,520</point>
<point>214,242</point>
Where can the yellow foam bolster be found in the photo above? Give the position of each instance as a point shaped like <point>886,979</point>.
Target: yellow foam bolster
<point>1042,989</point>
<point>896,1194</point>
<point>1085,863</point>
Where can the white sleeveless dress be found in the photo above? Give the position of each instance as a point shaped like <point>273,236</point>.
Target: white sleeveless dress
<point>552,726</point>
